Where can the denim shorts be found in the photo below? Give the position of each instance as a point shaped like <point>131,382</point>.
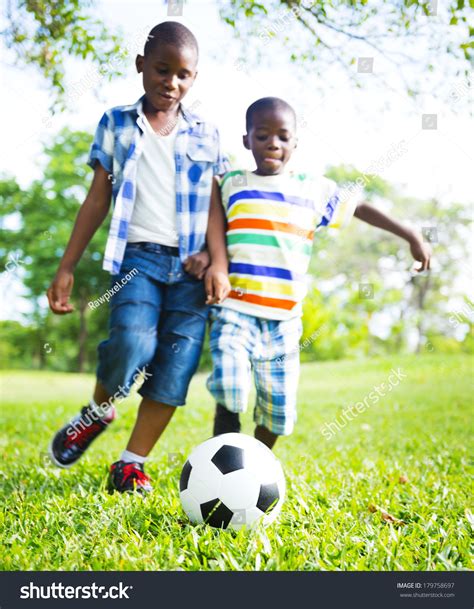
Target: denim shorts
<point>158,319</point>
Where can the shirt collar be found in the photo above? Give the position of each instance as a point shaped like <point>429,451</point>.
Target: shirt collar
<point>189,116</point>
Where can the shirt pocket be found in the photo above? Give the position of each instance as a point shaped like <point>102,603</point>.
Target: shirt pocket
<point>201,151</point>
<point>201,157</point>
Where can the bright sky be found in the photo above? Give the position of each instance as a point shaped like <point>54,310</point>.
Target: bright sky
<point>345,125</point>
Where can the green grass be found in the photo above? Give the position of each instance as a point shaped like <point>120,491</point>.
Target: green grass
<point>52,519</point>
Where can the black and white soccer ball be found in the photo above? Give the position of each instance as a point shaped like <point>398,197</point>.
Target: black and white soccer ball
<point>231,481</point>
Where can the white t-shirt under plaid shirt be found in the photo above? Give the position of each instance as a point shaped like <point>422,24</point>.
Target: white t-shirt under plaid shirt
<point>118,145</point>
<point>271,221</point>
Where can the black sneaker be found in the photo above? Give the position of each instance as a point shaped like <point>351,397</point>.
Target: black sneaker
<point>71,442</point>
<point>225,421</point>
<point>129,477</point>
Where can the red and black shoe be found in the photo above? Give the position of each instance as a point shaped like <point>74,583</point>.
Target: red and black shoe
<point>71,442</point>
<point>129,478</point>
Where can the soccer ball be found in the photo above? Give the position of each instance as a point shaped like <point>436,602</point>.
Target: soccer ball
<point>231,481</point>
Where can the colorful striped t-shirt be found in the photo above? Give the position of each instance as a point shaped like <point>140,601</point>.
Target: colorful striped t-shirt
<point>271,221</point>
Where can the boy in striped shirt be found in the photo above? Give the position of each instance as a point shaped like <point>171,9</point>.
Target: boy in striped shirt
<point>269,217</point>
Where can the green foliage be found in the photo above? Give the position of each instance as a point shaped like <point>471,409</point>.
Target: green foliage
<point>45,213</point>
<point>17,346</point>
<point>329,333</point>
<point>326,33</point>
<point>362,255</point>
<point>336,315</point>
<point>65,520</point>
<point>371,184</point>
<point>44,34</point>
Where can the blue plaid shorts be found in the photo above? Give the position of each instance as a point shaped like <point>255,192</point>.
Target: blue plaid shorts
<point>242,344</point>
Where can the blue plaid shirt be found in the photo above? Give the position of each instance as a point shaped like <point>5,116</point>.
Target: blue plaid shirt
<point>117,146</point>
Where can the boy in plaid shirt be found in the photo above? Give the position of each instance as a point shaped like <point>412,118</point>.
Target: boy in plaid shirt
<point>157,161</point>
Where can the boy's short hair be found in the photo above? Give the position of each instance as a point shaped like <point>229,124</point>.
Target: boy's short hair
<point>263,104</point>
<point>171,32</point>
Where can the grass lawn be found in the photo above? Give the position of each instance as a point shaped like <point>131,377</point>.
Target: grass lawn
<point>342,492</point>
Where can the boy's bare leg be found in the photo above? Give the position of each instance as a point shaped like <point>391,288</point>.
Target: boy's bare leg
<point>152,419</point>
<point>101,394</point>
<point>265,436</point>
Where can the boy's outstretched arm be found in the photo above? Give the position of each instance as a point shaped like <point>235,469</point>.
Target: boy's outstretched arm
<point>91,215</point>
<point>420,250</point>
<point>217,279</point>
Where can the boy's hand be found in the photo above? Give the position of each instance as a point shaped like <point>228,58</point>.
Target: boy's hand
<point>59,291</point>
<point>217,285</point>
<point>197,264</point>
<point>421,252</point>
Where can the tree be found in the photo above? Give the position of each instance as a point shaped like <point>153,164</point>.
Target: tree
<point>17,345</point>
<point>45,213</point>
<point>44,34</point>
<point>425,40</point>
<point>368,271</point>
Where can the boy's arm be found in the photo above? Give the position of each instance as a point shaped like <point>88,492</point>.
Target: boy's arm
<point>420,251</point>
<point>196,264</point>
<point>93,212</point>
<point>217,280</point>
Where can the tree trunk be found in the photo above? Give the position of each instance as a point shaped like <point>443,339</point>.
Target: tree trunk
<point>399,338</point>
<point>82,355</point>
<point>422,292</point>
<point>424,287</point>
<point>41,354</point>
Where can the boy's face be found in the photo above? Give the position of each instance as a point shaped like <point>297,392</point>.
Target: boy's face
<point>272,139</point>
<point>168,73</point>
